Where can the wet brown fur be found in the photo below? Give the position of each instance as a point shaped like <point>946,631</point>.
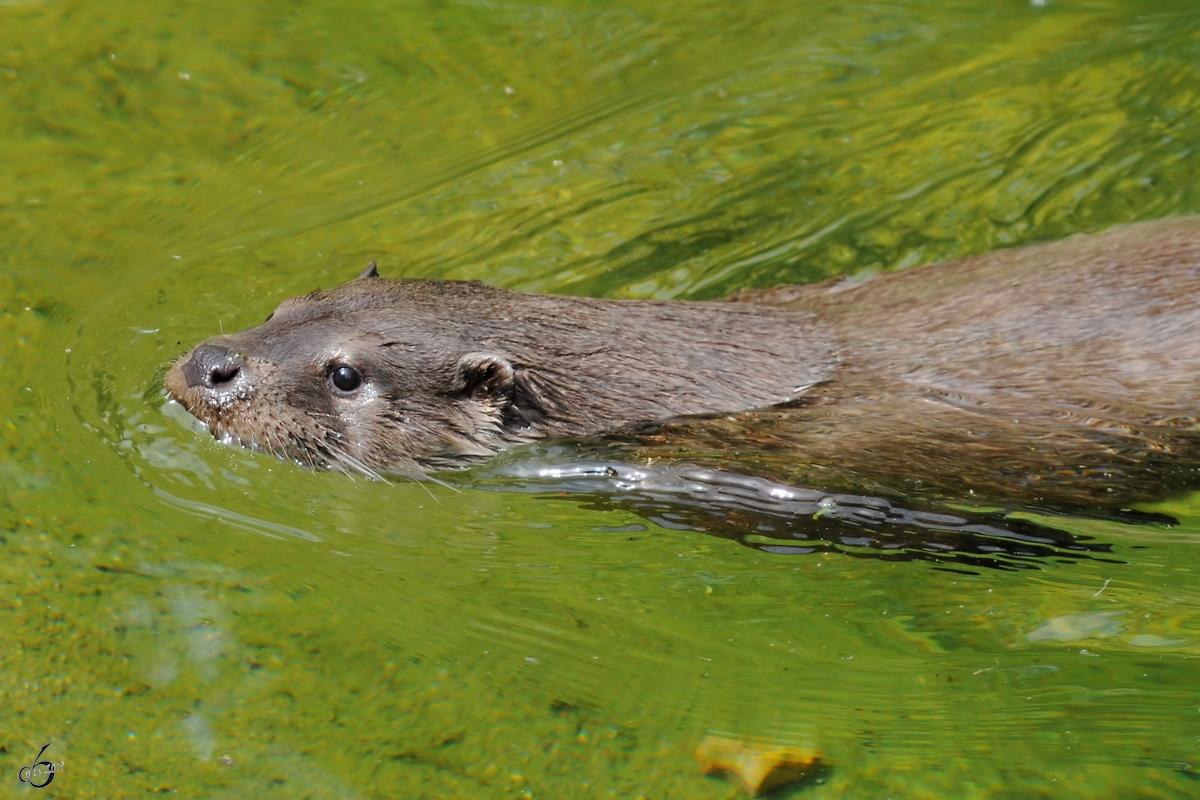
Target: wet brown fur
<point>1066,372</point>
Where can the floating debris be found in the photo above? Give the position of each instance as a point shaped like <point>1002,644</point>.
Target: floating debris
<point>758,767</point>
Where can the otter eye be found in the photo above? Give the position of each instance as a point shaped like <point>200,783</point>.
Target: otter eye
<point>345,378</point>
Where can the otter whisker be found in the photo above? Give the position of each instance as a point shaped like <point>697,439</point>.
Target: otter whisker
<point>356,465</point>
<point>423,478</point>
<point>313,457</point>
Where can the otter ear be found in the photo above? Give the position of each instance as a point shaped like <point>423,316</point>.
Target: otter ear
<point>370,272</point>
<point>486,377</point>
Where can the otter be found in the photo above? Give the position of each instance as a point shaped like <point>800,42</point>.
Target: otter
<point>1066,373</point>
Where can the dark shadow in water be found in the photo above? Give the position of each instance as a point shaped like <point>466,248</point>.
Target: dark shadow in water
<point>789,520</point>
<point>819,775</point>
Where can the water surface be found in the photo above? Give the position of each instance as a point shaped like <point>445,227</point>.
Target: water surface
<point>181,616</point>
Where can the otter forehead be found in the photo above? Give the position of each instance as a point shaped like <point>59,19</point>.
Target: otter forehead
<point>436,317</point>
<point>397,315</point>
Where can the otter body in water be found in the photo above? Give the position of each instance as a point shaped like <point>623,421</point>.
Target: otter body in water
<point>1067,373</point>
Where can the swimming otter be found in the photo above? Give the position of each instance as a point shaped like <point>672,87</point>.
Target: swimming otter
<point>1068,372</point>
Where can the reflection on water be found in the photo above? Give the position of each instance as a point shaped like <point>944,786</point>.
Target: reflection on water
<point>781,519</point>
<point>185,617</point>
<point>234,519</point>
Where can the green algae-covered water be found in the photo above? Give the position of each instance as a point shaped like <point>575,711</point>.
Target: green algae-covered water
<point>181,617</point>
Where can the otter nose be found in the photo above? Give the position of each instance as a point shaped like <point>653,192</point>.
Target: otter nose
<point>212,366</point>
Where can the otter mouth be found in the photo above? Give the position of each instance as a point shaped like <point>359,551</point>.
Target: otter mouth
<point>277,444</point>
<point>210,416</point>
<point>214,384</point>
<point>230,438</point>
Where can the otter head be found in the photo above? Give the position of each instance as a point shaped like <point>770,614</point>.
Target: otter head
<point>374,375</point>
<point>409,375</point>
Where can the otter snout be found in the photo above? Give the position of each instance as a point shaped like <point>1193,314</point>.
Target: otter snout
<point>211,366</point>
<point>209,379</point>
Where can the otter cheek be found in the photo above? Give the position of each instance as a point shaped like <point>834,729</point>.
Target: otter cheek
<point>404,451</point>
<point>362,425</point>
